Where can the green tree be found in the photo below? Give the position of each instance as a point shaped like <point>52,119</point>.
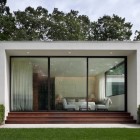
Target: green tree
<point>110,28</point>
<point>68,26</point>
<point>31,24</point>
<point>137,36</point>
<point>3,7</point>
<point>38,24</point>
<point>7,27</point>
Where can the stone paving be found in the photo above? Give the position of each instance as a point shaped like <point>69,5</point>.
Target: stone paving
<point>70,126</point>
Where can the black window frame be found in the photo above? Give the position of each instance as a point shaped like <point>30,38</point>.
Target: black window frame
<point>87,59</point>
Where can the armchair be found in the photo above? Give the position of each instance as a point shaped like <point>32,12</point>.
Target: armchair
<point>105,106</point>
<point>68,106</point>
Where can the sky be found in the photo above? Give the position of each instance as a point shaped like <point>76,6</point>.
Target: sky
<point>128,9</point>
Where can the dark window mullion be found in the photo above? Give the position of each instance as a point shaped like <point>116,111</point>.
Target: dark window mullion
<point>49,84</point>
<point>87,84</point>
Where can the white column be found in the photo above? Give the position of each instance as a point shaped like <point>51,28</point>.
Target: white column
<point>132,84</point>
<point>2,76</point>
<point>4,80</point>
<point>138,78</point>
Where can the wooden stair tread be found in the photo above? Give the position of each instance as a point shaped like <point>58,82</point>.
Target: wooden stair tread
<point>68,117</point>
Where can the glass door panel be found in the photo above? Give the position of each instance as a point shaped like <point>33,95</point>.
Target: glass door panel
<point>29,88</point>
<point>106,83</point>
<point>68,86</point>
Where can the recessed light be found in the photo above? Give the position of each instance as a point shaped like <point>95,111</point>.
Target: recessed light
<point>111,52</point>
<point>27,52</point>
<point>69,52</point>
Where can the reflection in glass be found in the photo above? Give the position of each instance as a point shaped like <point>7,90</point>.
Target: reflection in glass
<point>107,79</point>
<point>67,84</point>
<point>69,76</point>
<point>29,84</point>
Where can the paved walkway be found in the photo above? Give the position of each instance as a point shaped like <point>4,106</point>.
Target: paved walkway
<point>70,126</point>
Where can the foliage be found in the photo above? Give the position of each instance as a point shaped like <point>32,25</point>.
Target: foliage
<point>3,8</point>
<point>38,24</point>
<point>7,28</point>
<point>137,36</point>
<point>111,28</point>
<point>138,113</point>
<point>68,26</point>
<point>117,70</point>
<point>71,134</point>
<point>2,110</point>
<point>31,24</point>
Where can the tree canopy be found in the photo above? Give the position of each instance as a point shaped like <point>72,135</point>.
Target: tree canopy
<point>137,36</point>
<point>111,28</point>
<point>39,24</point>
<point>3,7</point>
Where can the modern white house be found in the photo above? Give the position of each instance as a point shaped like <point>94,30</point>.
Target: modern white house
<point>71,77</point>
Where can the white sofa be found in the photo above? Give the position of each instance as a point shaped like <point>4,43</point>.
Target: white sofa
<point>79,105</point>
<point>83,106</point>
<point>68,106</point>
<point>105,106</point>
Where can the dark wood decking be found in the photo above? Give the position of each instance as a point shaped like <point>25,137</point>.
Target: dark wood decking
<point>68,117</point>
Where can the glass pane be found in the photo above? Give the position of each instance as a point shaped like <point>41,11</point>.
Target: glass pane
<point>106,83</point>
<point>69,83</point>
<point>29,84</point>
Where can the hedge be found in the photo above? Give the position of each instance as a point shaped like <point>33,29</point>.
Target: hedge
<point>1,113</point>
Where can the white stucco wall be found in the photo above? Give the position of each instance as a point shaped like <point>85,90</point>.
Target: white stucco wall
<point>132,84</point>
<point>129,49</point>
<point>4,80</point>
<point>7,84</point>
<point>2,76</point>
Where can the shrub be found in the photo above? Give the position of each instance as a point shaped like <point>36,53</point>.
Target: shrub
<point>2,110</point>
<point>138,112</point>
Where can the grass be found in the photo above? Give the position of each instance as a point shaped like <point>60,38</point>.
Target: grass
<point>70,134</point>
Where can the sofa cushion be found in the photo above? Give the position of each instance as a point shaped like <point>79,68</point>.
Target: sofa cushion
<point>81,100</point>
<point>70,101</point>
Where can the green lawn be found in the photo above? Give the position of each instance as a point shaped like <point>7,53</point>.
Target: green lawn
<point>70,134</point>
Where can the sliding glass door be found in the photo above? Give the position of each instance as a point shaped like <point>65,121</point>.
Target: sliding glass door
<point>106,83</point>
<point>29,88</point>
<point>68,84</point>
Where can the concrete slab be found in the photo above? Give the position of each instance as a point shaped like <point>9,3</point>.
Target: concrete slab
<point>70,126</point>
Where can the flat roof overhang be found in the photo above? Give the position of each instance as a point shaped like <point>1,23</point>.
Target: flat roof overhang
<point>69,52</point>
<point>70,48</point>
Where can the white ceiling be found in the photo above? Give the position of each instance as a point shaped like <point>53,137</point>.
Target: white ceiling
<point>72,67</point>
<point>101,65</point>
<point>69,52</point>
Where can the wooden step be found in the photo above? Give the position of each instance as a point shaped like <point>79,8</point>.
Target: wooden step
<point>68,117</point>
<point>72,122</point>
<point>72,114</point>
